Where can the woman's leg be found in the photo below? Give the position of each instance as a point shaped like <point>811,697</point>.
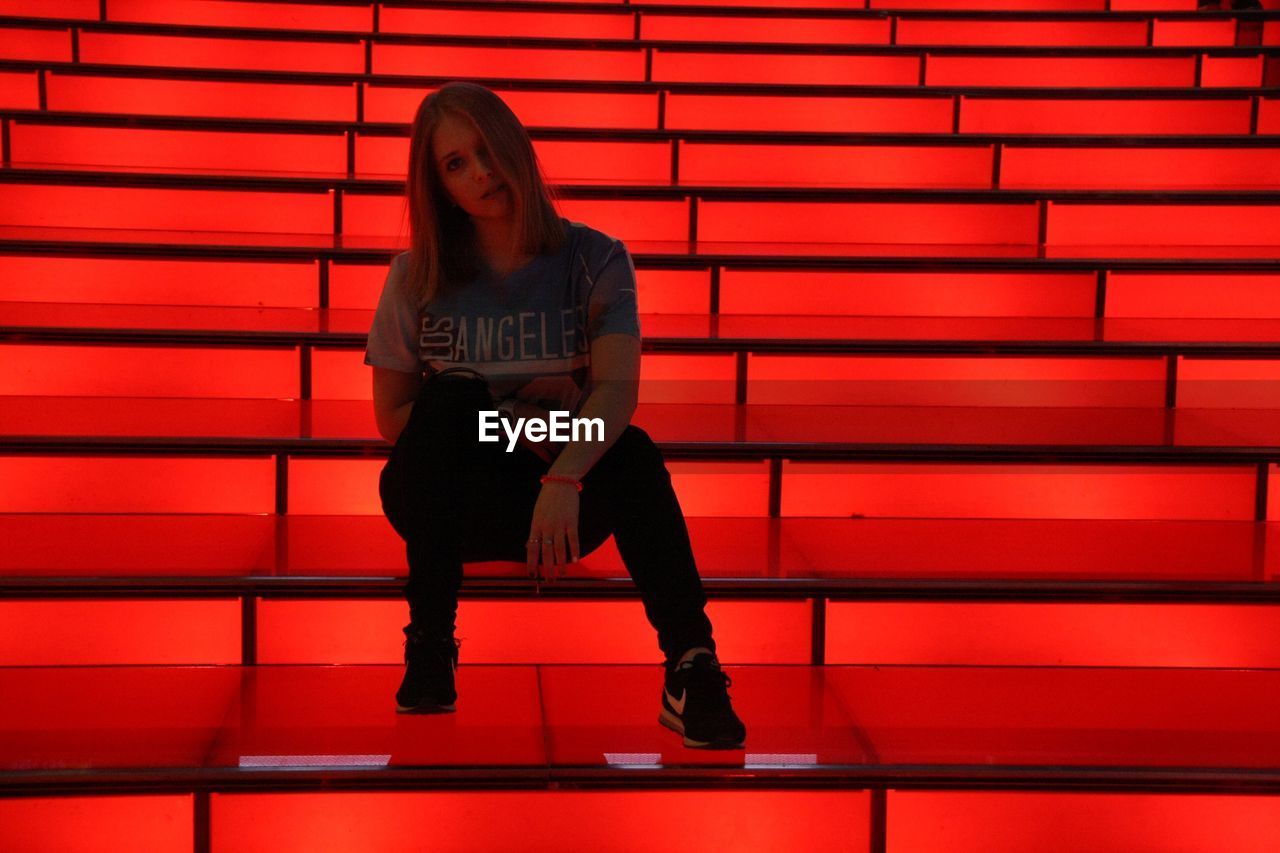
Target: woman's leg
<point>628,492</point>
<point>452,498</point>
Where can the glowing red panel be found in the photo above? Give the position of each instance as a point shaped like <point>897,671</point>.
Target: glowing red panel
<point>1006,5</point>
<point>1067,634</point>
<point>1052,822</point>
<point>1268,115</point>
<point>795,30</point>
<point>1166,225</point>
<point>213,98</point>
<point>687,378</point>
<point>376,214</point>
<point>807,4</point>
<point>1140,168</point>
<point>602,161</point>
<point>1182,33</point>
<point>578,25</point>
<point>154,631</point>
<point>83,9</point>
<point>136,484</point>
<point>543,820</point>
<point>382,155</point>
<point>156,281</point>
<point>1098,71</point>
<point>917,294</point>
<point>186,52</point>
<point>19,90</point>
<point>543,631</point>
<point>672,66</point>
<point>356,285</point>
<point>631,220</point>
<point>1048,33</point>
<point>143,371</point>
<point>534,109</point>
<point>1231,71</point>
<point>319,486</point>
<point>181,51</point>
<point>184,210</point>
<point>35,44</point>
<point>1193,295</point>
<point>673,291</point>
<point>1223,383</point>
<point>198,150</point>
<point>289,16</point>
<point>867,222</point>
<point>519,62</point>
<point>1271,32</point>
<point>1153,5</point>
<point>720,488</point>
<point>763,112</point>
<point>340,374</point>
<point>954,381</point>
<point>1016,491</point>
<point>1123,115</point>
<point>88,544</point>
<point>821,165</point>
<point>161,823</point>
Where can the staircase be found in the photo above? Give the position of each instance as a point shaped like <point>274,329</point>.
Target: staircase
<point>960,324</point>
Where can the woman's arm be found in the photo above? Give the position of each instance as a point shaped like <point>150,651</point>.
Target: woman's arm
<point>615,369</point>
<point>394,393</point>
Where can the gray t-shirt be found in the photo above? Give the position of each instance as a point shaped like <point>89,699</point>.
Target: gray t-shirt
<point>529,334</point>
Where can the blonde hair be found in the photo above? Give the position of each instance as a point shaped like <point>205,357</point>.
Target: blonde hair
<point>442,248</point>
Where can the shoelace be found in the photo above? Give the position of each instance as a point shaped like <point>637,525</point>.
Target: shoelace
<point>715,681</point>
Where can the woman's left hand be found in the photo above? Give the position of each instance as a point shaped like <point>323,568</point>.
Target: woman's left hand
<point>555,518</point>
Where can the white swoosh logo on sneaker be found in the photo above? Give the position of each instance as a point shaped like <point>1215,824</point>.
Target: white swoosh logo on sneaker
<point>678,706</point>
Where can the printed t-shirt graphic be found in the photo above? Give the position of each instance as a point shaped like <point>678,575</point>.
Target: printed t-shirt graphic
<point>529,333</point>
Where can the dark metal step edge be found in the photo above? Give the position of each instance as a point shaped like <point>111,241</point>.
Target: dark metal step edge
<point>312,588</point>
<point>343,340</point>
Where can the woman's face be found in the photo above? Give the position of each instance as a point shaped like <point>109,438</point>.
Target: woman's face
<point>466,170</point>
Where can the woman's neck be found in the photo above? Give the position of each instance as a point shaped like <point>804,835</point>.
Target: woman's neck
<point>493,240</point>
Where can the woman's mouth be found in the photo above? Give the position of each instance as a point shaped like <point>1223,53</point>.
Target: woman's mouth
<point>494,190</point>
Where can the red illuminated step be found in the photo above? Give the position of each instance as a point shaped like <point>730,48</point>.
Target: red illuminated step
<point>896,109</point>
<point>800,215</point>
<point>945,162</point>
<point>841,23</point>
<point>694,63</point>
<point>720,430</point>
<point>791,556</point>
<point>950,727</point>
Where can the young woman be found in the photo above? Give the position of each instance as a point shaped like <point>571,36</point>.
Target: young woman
<point>507,307</point>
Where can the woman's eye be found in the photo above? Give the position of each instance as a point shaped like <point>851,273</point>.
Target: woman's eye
<point>449,165</point>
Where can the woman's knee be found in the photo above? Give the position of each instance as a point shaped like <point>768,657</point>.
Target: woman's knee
<point>636,454</point>
<point>448,404</point>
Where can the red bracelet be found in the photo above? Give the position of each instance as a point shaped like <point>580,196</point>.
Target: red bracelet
<point>559,478</point>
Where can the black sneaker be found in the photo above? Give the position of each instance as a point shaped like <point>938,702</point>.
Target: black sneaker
<point>430,664</point>
<point>695,703</point>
